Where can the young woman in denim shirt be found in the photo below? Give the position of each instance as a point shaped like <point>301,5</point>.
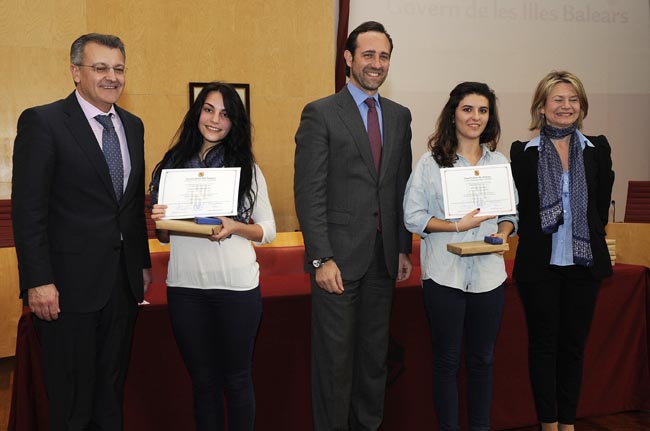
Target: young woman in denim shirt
<point>463,295</point>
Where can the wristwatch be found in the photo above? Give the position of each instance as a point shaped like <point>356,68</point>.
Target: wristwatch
<point>317,263</point>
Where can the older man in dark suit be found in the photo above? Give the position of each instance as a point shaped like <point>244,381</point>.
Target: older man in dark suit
<point>353,159</point>
<point>81,238</point>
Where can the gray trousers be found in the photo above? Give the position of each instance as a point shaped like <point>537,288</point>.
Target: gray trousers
<point>349,343</point>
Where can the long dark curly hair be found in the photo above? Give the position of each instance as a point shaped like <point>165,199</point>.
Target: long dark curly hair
<point>238,144</point>
<point>444,142</point>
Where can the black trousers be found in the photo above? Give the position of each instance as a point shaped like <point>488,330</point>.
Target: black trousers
<point>215,330</point>
<point>85,360</point>
<point>559,310</point>
<point>349,344</point>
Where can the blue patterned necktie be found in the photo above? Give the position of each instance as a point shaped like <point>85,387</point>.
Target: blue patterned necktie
<point>112,153</point>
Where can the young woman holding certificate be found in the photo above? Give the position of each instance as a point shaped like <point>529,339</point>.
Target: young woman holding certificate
<point>565,179</point>
<point>462,294</point>
<point>213,281</point>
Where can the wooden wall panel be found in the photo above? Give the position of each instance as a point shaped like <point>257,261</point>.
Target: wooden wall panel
<point>10,305</point>
<point>35,40</point>
<point>284,50</point>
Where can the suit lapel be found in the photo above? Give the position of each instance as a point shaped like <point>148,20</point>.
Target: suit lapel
<point>591,167</point>
<point>78,126</point>
<point>349,115</point>
<point>388,116</point>
<point>134,155</point>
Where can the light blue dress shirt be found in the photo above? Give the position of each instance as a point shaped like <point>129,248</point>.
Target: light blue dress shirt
<point>562,247</point>
<point>424,200</point>
<point>360,99</point>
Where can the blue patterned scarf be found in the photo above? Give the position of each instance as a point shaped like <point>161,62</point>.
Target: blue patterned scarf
<point>213,159</point>
<point>549,174</point>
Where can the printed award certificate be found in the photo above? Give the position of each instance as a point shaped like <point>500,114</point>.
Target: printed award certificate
<point>490,188</point>
<point>199,192</point>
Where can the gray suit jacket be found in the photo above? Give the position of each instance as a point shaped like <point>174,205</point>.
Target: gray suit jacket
<point>338,194</point>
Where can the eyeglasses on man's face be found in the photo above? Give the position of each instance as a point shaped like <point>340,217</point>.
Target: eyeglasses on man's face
<point>105,69</point>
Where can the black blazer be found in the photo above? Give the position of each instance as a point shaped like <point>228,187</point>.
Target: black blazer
<point>534,248</point>
<point>338,193</point>
<point>68,225</point>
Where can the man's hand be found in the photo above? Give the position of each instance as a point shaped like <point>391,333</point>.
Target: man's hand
<point>147,278</point>
<point>328,277</point>
<point>44,302</point>
<point>404,267</point>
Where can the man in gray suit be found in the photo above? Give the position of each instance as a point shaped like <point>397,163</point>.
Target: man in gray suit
<point>353,159</point>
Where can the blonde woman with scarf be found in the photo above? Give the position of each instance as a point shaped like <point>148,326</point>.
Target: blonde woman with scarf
<point>564,179</point>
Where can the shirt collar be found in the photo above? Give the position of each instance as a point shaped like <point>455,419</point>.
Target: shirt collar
<point>486,154</point>
<point>90,110</point>
<point>584,142</point>
<point>359,95</point>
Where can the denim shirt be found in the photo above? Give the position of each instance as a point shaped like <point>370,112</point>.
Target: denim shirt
<point>562,240</point>
<point>422,201</point>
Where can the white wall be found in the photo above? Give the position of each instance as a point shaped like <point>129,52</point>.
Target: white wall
<point>511,45</point>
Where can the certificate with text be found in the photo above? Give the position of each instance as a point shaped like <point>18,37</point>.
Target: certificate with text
<point>199,192</point>
<point>490,188</point>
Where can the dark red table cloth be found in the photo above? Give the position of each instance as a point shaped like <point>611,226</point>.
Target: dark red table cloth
<point>158,392</point>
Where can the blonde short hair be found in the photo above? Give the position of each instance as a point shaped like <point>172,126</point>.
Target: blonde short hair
<point>537,120</point>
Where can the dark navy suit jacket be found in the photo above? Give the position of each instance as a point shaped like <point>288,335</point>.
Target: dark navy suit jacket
<point>534,248</point>
<point>69,227</point>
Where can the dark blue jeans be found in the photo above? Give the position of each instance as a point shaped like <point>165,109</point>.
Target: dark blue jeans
<point>215,331</point>
<point>453,313</point>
